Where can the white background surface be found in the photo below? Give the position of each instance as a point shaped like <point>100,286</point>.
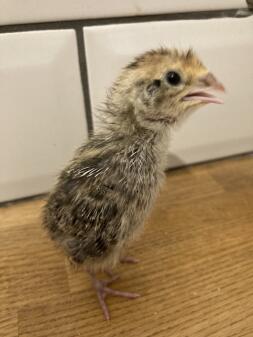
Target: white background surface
<point>224,45</point>
<point>23,11</point>
<point>42,116</point>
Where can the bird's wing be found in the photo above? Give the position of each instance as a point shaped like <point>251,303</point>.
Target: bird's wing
<point>88,204</point>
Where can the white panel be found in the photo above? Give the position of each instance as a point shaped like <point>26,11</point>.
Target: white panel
<point>18,11</point>
<point>41,109</point>
<point>225,46</point>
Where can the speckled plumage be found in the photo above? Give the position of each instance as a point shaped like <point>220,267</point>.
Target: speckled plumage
<point>103,196</point>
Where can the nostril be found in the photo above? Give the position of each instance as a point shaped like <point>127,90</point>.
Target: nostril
<point>210,80</point>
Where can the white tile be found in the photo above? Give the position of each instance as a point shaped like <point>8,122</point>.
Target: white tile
<point>225,46</point>
<point>42,116</point>
<point>21,11</point>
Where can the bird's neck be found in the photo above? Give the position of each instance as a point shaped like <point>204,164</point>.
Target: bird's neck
<point>151,136</point>
<point>125,120</point>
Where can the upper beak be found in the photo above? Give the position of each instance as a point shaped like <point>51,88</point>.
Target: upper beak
<point>202,94</point>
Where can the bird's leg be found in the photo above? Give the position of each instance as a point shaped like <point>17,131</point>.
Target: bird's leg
<point>129,259</point>
<point>112,276</point>
<point>102,290</point>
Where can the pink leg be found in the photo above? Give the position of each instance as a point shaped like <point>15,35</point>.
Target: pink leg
<point>102,291</point>
<point>129,259</point>
<point>112,276</point>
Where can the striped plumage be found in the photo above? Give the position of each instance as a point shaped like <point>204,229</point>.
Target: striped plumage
<point>102,197</point>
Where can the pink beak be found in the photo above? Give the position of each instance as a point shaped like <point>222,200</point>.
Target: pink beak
<point>202,95</point>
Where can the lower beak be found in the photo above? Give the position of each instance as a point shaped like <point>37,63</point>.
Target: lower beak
<point>204,95</point>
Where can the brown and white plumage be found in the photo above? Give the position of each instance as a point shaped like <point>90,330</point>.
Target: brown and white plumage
<point>103,196</point>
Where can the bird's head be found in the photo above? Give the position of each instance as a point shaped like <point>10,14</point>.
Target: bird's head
<point>162,85</point>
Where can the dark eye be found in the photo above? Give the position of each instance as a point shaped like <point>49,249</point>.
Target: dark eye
<point>173,78</point>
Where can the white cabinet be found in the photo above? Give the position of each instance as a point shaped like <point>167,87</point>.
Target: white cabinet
<point>42,116</point>
<point>23,11</point>
<point>224,45</point>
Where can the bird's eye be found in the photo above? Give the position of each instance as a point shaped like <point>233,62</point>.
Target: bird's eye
<point>173,78</point>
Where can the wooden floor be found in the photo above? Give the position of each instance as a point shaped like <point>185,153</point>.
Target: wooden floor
<point>195,274</point>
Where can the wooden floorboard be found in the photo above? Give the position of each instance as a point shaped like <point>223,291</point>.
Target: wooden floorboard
<point>195,274</point>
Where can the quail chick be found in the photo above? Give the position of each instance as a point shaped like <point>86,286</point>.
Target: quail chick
<point>102,197</point>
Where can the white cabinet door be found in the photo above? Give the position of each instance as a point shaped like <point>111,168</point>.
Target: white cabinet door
<point>41,109</point>
<point>20,11</point>
<point>224,45</point>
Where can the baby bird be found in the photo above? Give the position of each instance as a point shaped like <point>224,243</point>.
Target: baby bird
<point>102,197</point>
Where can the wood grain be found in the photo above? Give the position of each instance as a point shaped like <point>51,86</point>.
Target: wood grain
<point>195,274</point>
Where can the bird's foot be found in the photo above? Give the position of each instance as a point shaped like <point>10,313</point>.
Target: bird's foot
<point>129,259</point>
<point>102,290</point>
